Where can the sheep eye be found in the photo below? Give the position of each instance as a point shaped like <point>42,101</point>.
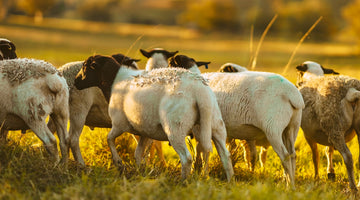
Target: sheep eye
<point>9,47</point>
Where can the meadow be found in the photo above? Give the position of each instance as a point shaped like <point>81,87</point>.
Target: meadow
<point>26,172</point>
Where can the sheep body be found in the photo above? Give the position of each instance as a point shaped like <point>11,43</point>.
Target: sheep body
<point>258,106</point>
<point>330,114</point>
<point>31,90</point>
<point>161,104</point>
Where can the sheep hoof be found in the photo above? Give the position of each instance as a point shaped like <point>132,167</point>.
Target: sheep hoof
<point>331,176</point>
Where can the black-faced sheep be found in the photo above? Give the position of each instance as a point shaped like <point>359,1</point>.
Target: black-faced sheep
<point>30,91</point>
<point>309,69</point>
<point>330,115</point>
<point>257,106</point>
<point>7,49</point>
<point>157,58</point>
<point>87,107</point>
<point>161,104</point>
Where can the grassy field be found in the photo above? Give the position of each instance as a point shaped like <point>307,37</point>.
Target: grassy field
<point>26,173</point>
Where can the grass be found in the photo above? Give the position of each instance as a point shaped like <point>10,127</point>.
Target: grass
<point>26,173</point>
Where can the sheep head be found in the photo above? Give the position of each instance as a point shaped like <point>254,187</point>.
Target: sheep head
<point>124,60</point>
<point>231,67</point>
<point>98,71</point>
<point>149,54</point>
<point>182,61</point>
<point>7,49</point>
<point>309,69</point>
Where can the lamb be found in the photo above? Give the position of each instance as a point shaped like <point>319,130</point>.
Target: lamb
<point>257,106</point>
<point>161,104</point>
<point>7,49</point>
<point>330,116</point>
<point>157,58</point>
<point>30,91</point>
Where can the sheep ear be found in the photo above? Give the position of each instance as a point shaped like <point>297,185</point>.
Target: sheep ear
<point>145,53</point>
<point>203,63</point>
<point>171,54</point>
<point>302,67</point>
<point>135,60</point>
<point>329,71</point>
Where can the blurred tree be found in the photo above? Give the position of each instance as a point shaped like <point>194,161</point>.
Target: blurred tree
<point>98,10</point>
<point>297,17</point>
<point>351,13</point>
<point>36,8</point>
<point>210,15</point>
<point>4,7</point>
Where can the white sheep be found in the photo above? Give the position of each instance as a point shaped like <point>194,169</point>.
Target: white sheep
<point>330,116</point>
<point>89,107</point>
<point>162,104</point>
<point>157,58</point>
<point>249,146</point>
<point>257,106</point>
<point>30,91</point>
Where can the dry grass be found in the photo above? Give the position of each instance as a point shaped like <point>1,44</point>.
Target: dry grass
<point>26,173</point>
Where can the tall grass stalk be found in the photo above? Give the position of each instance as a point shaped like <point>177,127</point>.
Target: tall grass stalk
<point>300,42</point>
<point>253,63</point>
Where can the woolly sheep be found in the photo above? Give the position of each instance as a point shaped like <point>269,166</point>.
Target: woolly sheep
<point>157,58</point>
<point>257,106</point>
<point>307,71</point>
<point>30,91</point>
<point>161,104</point>
<point>7,49</point>
<point>330,115</point>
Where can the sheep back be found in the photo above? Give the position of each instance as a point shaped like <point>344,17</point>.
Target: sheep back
<point>322,97</point>
<point>254,98</point>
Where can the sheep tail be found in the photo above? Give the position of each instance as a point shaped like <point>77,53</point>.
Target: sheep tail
<point>204,101</point>
<point>296,100</point>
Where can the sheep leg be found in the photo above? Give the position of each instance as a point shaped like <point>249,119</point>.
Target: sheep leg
<point>60,120</point>
<point>338,140</point>
<point>329,151</point>
<point>184,154</point>
<point>315,155</point>
<point>219,139</point>
<point>250,153</point>
<point>143,143</point>
<point>289,138</point>
<point>44,134</point>
<point>285,157</point>
<point>3,135</point>
<point>198,158</point>
<point>76,127</point>
<point>113,134</point>
<point>159,150</point>
<point>262,156</point>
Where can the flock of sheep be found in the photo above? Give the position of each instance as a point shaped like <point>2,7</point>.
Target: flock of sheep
<point>172,99</point>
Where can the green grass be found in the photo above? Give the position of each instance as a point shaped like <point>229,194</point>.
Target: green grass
<point>26,173</point>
